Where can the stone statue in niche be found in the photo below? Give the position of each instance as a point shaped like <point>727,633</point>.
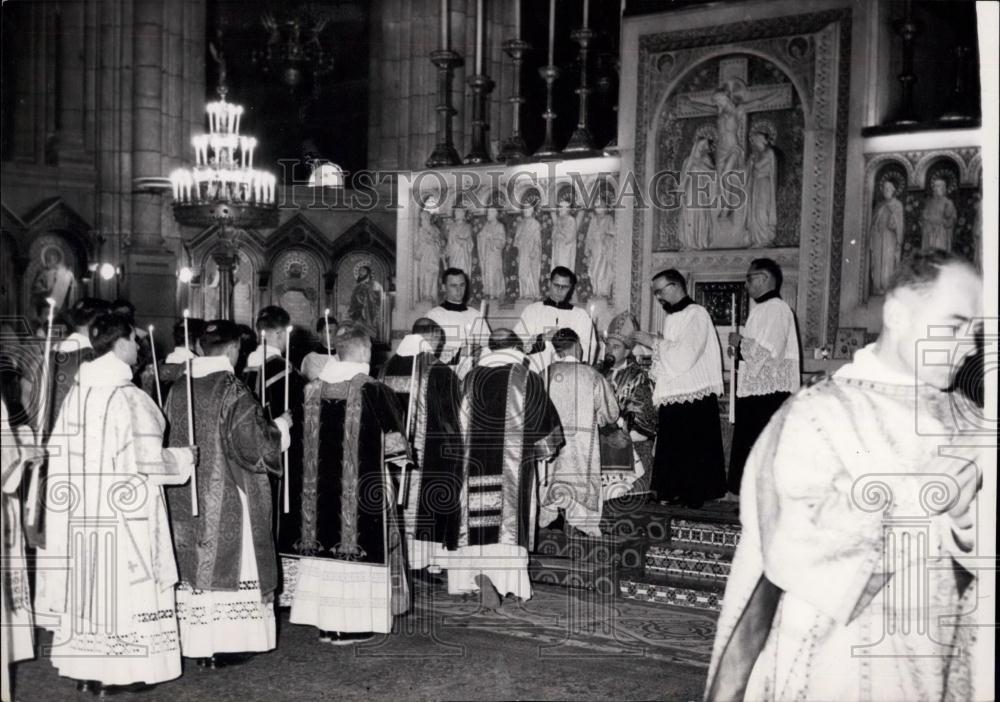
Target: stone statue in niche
<point>428,256</point>
<point>54,279</point>
<point>564,234</point>
<point>885,237</point>
<point>365,306</point>
<point>460,242</point>
<point>937,221</point>
<point>528,241</point>
<point>491,243</point>
<point>599,250</point>
<point>762,217</point>
<point>698,181</point>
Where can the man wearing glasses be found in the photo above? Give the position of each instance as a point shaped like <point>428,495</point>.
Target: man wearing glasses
<point>540,320</point>
<point>687,374</point>
<point>768,372</point>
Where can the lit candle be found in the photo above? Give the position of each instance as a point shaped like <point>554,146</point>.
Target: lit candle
<point>288,373</point>
<point>479,37</point>
<point>552,31</point>
<point>586,13</point>
<point>190,416</point>
<point>445,26</point>
<point>156,370</point>
<point>326,326</point>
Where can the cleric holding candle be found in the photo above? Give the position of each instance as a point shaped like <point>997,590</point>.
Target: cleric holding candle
<point>462,325</point>
<point>540,320</point>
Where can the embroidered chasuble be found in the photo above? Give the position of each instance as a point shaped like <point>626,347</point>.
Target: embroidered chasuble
<point>844,585</point>
<point>286,526</point>
<point>634,392</point>
<point>508,426</point>
<point>432,506</point>
<point>225,555</point>
<point>351,569</point>
<point>585,402</point>
<point>168,372</point>
<point>111,604</point>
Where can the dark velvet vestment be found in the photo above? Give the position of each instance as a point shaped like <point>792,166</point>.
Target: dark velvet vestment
<point>168,372</point>
<point>508,424</point>
<point>286,526</point>
<point>239,448</point>
<point>432,495</point>
<point>634,392</point>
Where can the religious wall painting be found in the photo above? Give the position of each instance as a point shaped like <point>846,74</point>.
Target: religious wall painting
<point>730,143</point>
<point>54,271</point>
<point>361,293</point>
<point>296,285</point>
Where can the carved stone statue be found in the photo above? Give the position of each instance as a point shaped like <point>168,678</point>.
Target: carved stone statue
<point>460,242</point>
<point>885,238</point>
<point>492,239</point>
<point>599,250</point>
<point>937,221</point>
<point>564,236</point>
<point>365,306</point>
<point>762,216</point>
<point>427,251</point>
<point>698,181</point>
<point>54,280</point>
<point>528,240</point>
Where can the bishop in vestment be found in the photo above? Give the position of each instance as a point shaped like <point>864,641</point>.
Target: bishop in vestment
<point>106,581</point>
<point>855,576</point>
<point>585,402</point>
<point>226,554</point>
<point>431,513</point>
<point>508,426</point>
<point>352,575</point>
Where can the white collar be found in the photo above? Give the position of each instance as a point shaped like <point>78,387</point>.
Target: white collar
<point>568,358</point>
<point>868,366</point>
<point>179,355</point>
<point>342,371</point>
<point>74,342</point>
<point>412,344</point>
<point>256,357</point>
<point>207,365</point>
<point>106,371</point>
<point>503,357</point>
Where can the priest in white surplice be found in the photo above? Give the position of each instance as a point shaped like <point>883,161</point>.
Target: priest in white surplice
<point>769,362</point>
<point>464,328</point>
<point>540,320</point>
<point>110,603</point>
<point>687,377</point>
<point>854,578</point>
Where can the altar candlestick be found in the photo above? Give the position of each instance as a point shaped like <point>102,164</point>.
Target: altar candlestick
<point>479,37</point>
<point>284,455</point>
<point>517,19</point>
<point>156,370</point>
<point>552,31</point>
<point>445,26</point>
<point>190,416</point>
<point>326,326</point>
<point>32,498</point>
<point>586,14</point>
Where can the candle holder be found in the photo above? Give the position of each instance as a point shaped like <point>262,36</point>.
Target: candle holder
<point>514,149</point>
<point>444,153</point>
<point>481,87</point>
<point>612,146</point>
<point>907,29</point>
<point>959,102</point>
<point>548,150</point>
<point>581,143</point>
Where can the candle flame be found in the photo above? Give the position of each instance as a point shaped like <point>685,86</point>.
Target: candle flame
<point>50,301</point>
<point>150,328</point>
<point>326,312</point>
<point>186,313</point>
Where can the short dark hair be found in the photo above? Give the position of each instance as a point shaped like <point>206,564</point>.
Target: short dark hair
<point>431,331</point>
<point>448,272</point>
<point>86,310</point>
<point>769,266</point>
<point>196,326</point>
<point>323,321</point>
<point>124,306</point>
<point>672,275</point>
<point>273,317</point>
<point>218,334</point>
<point>564,339</point>
<point>502,338</point>
<point>921,269</point>
<point>351,337</point>
<point>108,328</point>
<point>563,272</point>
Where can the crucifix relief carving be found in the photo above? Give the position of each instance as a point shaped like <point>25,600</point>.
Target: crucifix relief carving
<point>737,211</point>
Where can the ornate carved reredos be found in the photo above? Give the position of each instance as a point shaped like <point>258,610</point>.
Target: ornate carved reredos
<point>703,87</point>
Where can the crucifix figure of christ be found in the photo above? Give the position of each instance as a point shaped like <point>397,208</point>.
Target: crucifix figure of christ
<point>731,103</point>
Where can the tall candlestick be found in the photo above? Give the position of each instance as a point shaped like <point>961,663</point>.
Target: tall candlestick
<point>586,14</point>
<point>326,326</point>
<point>263,371</point>
<point>284,456</point>
<point>156,370</point>
<point>552,31</point>
<point>190,416</point>
<point>445,26</point>
<point>732,366</point>
<point>33,484</point>
<point>517,19</point>
<point>479,37</point>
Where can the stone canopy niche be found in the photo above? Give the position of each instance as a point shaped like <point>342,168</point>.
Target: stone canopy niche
<point>739,129</point>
